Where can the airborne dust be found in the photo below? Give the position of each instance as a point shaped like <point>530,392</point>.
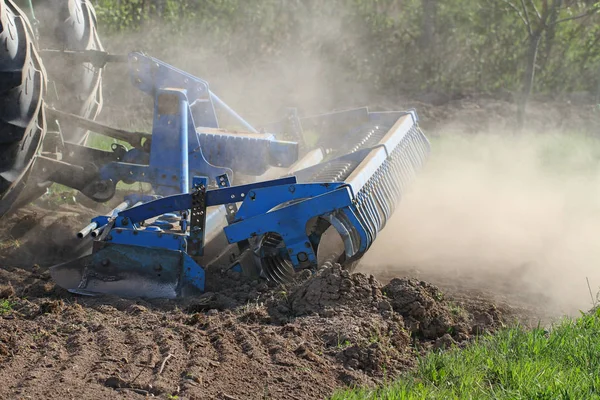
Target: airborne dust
<point>517,215</point>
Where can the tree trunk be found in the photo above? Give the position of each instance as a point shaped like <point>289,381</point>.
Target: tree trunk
<point>428,27</point>
<point>550,31</point>
<point>427,37</point>
<point>528,77</point>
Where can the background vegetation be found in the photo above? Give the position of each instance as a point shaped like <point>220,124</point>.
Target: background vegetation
<point>397,46</point>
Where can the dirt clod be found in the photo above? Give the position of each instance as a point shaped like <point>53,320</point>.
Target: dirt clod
<point>334,286</point>
<point>425,312</point>
<point>7,291</point>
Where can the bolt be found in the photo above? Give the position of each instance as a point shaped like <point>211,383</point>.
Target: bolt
<point>252,195</point>
<point>292,188</point>
<point>302,257</point>
<point>105,262</point>
<point>125,221</point>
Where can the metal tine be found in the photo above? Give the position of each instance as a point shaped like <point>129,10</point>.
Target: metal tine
<point>276,270</point>
<point>372,207</point>
<point>362,211</point>
<point>411,153</point>
<point>360,214</point>
<point>402,176</point>
<point>374,214</point>
<point>410,141</point>
<point>387,182</point>
<point>407,170</point>
<point>379,204</point>
<point>386,193</point>
<point>368,213</point>
<point>267,271</point>
<point>425,143</point>
<point>396,174</point>
<point>419,146</point>
<point>379,196</point>
<point>274,267</point>
<point>361,217</point>
<point>422,141</point>
<point>392,197</point>
<point>349,226</point>
<point>288,273</point>
<point>419,149</point>
<point>376,199</point>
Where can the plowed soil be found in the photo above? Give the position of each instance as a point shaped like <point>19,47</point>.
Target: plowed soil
<point>243,340</point>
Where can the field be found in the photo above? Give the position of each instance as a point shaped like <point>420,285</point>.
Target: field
<point>496,237</point>
<point>483,284</point>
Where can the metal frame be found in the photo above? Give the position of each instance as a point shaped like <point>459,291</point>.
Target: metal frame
<point>190,162</point>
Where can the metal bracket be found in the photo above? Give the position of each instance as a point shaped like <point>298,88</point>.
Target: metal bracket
<point>231,208</point>
<point>198,217</point>
<point>97,58</point>
<point>136,139</point>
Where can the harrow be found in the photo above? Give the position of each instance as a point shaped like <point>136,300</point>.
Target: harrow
<point>161,244</point>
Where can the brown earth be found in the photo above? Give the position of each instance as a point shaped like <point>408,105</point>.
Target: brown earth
<point>243,340</point>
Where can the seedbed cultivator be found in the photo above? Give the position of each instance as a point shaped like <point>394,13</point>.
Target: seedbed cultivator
<point>210,203</point>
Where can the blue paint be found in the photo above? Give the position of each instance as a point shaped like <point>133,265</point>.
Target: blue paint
<point>355,192</point>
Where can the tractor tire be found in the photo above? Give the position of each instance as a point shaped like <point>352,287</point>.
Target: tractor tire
<point>75,86</point>
<point>22,88</point>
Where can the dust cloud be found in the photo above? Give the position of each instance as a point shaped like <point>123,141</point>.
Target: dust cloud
<point>256,76</point>
<point>493,210</point>
<point>518,215</point>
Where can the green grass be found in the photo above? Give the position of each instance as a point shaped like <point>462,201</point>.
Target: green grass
<point>563,363</point>
<point>6,306</point>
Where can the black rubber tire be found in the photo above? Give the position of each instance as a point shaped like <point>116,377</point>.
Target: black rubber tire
<point>74,87</point>
<point>22,88</point>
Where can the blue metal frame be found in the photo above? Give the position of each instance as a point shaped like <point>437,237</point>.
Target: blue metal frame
<point>150,74</point>
<point>358,205</point>
<point>185,127</point>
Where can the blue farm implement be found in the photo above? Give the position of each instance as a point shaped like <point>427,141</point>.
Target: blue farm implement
<point>210,205</point>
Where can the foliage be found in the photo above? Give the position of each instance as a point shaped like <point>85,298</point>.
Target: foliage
<point>6,306</point>
<point>515,364</point>
<point>476,45</point>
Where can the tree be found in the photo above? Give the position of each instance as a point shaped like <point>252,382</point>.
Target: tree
<point>541,18</point>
